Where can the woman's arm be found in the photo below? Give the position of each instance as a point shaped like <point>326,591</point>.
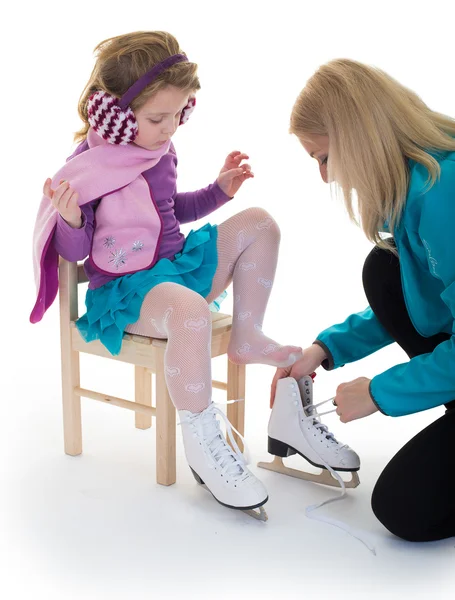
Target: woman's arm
<point>358,336</point>
<point>428,380</point>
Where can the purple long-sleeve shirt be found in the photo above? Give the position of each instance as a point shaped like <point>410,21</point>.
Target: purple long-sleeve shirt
<point>174,209</point>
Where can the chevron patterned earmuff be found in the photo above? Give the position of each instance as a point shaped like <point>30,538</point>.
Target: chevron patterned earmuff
<point>113,119</point>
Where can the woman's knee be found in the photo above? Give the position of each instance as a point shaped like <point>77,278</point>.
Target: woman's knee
<point>394,510</point>
<point>381,267</point>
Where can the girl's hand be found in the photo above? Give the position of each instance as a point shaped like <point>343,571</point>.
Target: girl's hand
<point>64,199</point>
<point>310,361</point>
<point>353,400</point>
<point>233,174</point>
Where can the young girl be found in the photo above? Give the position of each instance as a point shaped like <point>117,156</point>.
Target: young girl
<point>116,201</point>
<point>370,134</point>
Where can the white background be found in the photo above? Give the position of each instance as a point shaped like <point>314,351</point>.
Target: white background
<point>97,526</point>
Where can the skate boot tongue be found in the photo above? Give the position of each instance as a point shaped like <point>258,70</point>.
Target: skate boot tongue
<point>310,411</point>
<point>231,462</point>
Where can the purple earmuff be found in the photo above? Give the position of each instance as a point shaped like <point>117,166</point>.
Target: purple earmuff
<point>113,119</point>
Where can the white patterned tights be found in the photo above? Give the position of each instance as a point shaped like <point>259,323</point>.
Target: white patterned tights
<point>247,246</point>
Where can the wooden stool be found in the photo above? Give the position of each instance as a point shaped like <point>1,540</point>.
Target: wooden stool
<point>147,356</point>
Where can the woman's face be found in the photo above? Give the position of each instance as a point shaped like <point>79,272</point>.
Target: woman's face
<point>317,147</point>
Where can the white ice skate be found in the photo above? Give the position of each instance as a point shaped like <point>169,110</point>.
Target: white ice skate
<point>217,466</point>
<point>295,428</point>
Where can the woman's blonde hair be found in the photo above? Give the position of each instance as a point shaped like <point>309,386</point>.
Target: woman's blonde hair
<point>121,60</point>
<point>374,124</point>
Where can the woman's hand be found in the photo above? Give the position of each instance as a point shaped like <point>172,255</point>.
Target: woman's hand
<point>64,199</point>
<point>233,174</point>
<point>310,361</point>
<point>353,400</point>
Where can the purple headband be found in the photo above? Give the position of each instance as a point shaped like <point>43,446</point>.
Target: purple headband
<point>147,78</point>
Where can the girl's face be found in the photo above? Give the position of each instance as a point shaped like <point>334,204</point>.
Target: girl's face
<point>159,117</point>
<point>317,147</point>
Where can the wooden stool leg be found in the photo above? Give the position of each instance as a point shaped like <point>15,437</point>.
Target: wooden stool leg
<point>143,395</point>
<point>236,390</point>
<point>165,428</point>
<point>72,425</point>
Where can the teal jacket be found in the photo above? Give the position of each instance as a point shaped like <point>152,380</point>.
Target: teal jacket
<point>425,240</point>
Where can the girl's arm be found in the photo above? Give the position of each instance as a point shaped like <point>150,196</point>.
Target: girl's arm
<point>191,206</point>
<point>74,244</point>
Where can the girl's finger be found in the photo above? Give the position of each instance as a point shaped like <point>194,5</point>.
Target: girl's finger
<point>72,202</point>
<point>47,190</point>
<point>60,191</point>
<point>64,200</point>
<point>60,199</point>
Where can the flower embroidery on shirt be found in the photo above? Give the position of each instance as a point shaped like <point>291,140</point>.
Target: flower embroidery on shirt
<point>433,262</point>
<point>118,258</point>
<point>137,245</point>
<point>109,241</point>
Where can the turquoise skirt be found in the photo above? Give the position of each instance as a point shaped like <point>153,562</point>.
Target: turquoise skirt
<point>113,306</point>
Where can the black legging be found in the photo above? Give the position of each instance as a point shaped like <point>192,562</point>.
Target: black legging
<point>414,496</point>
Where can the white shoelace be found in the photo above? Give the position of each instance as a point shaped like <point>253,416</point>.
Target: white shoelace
<point>231,461</point>
<point>315,417</point>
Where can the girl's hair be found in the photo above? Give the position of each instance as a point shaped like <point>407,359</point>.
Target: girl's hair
<point>121,60</point>
<point>374,124</point>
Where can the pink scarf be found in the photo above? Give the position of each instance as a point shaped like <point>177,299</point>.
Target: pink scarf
<point>113,172</point>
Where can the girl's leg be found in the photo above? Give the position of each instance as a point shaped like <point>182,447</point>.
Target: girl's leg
<point>182,316</point>
<point>248,246</point>
<point>414,496</point>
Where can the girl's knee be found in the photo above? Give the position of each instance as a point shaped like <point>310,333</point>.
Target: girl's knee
<point>193,308</point>
<point>264,221</point>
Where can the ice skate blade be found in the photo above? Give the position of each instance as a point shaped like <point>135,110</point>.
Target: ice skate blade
<point>258,514</point>
<point>324,478</point>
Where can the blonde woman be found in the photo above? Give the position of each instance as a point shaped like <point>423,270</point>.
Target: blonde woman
<point>373,137</point>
